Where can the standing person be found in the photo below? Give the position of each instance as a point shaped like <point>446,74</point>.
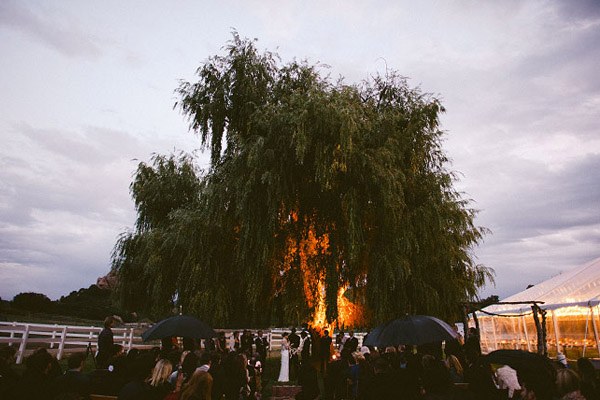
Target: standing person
<point>305,345</point>
<point>105,343</point>
<point>294,356</point>
<point>262,344</point>
<point>324,350</point>
<point>472,346</point>
<point>351,343</point>
<point>339,340</point>
<point>234,342</point>
<point>221,343</point>
<point>210,345</point>
<point>246,342</point>
<point>284,370</point>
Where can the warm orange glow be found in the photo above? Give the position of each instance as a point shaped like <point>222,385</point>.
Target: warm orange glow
<point>306,253</point>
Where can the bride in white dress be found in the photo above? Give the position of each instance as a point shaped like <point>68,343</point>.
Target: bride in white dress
<point>284,372</point>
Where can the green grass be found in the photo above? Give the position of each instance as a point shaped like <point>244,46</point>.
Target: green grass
<point>49,319</point>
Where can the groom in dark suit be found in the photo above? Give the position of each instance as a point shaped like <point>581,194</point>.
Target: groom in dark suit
<point>294,359</point>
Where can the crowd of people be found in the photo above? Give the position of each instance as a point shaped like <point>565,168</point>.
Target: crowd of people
<point>453,371</point>
<point>324,367</point>
<point>218,369</point>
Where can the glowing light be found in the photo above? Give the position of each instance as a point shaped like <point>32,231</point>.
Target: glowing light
<point>305,253</point>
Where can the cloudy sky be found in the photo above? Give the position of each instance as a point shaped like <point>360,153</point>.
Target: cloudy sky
<point>87,91</point>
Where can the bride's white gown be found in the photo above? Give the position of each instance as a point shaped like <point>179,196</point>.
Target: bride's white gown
<point>284,372</point>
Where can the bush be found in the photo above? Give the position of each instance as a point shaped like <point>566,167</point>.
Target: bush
<point>35,302</point>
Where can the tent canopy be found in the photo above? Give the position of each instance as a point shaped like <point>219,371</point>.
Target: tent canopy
<point>577,287</point>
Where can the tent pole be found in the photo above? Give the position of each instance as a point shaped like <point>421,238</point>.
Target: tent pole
<point>494,330</point>
<point>587,325</point>
<point>514,328</point>
<point>595,329</point>
<point>526,333</point>
<point>556,331</point>
<point>520,334</point>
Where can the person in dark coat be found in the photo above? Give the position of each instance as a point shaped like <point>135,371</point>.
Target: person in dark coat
<point>306,347</point>
<point>8,377</point>
<point>74,381</point>
<point>472,346</point>
<point>351,343</point>
<point>262,345</point>
<point>307,379</point>
<point>138,388</point>
<point>324,350</point>
<point>246,342</point>
<point>590,385</point>
<point>294,356</point>
<point>36,382</point>
<point>105,343</point>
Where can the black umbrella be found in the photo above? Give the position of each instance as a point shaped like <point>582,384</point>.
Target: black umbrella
<point>180,326</point>
<point>412,329</point>
<point>520,360</point>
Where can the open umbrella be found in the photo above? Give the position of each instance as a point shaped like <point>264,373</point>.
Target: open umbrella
<point>180,326</point>
<point>412,329</point>
<point>520,360</point>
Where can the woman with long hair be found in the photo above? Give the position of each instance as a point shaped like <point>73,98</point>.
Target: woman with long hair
<point>590,386</point>
<point>199,387</point>
<point>159,380</point>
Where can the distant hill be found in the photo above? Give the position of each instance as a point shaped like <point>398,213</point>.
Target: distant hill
<point>92,303</point>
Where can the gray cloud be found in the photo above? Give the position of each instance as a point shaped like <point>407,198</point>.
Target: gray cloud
<point>548,218</point>
<point>60,34</point>
<point>578,9</point>
<point>63,202</point>
<point>518,79</point>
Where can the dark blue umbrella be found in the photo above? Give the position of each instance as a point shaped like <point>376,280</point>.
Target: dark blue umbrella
<point>180,326</point>
<point>412,329</point>
<point>519,360</point>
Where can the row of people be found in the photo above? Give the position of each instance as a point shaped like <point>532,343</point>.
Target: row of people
<point>153,375</point>
<point>392,374</point>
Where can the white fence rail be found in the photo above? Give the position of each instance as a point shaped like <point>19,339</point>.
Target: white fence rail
<point>63,339</point>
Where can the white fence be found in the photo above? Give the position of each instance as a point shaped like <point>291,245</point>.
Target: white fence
<point>64,339</point>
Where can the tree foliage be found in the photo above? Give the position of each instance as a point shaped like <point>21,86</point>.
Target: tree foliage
<point>30,301</point>
<point>295,155</point>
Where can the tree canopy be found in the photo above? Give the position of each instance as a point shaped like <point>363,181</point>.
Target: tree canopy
<point>314,185</point>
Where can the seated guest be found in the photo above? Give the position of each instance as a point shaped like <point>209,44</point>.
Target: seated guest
<point>437,382</point>
<point>199,387</point>
<point>36,382</point>
<point>186,369</point>
<point>567,385</point>
<point>138,388</point>
<point>74,381</point>
<point>8,377</point>
<point>590,386</point>
<point>204,362</point>
<point>536,384</point>
<point>307,379</point>
<point>507,380</point>
<point>159,384</point>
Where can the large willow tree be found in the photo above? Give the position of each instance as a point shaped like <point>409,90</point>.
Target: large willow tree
<point>295,155</point>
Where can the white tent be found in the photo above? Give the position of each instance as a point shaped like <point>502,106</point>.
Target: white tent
<point>571,300</point>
